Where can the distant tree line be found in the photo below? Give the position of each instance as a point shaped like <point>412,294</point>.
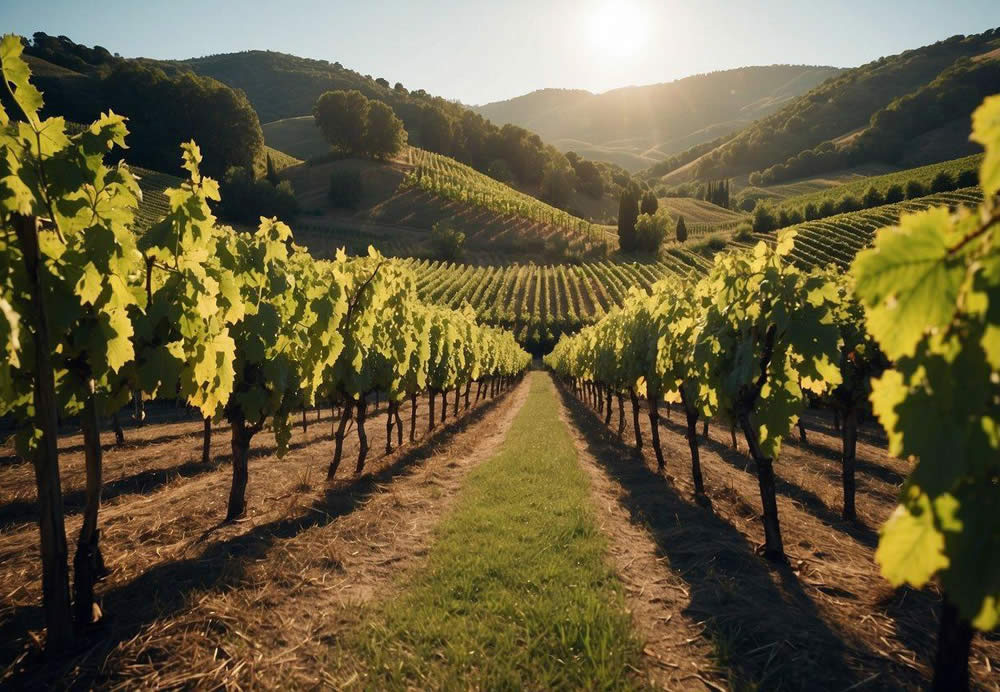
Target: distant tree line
<point>952,95</point>
<point>767,218</point>
<point>848,102</point>
<point>163,111</point>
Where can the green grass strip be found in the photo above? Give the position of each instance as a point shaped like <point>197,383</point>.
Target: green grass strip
<point>516,592</point>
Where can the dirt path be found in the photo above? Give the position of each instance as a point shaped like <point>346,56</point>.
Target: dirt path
<point>191,602</point>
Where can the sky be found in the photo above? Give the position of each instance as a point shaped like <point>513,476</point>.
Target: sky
<point>477,52</point>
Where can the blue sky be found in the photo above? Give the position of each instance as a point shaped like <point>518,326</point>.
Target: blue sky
<point>483,51</point>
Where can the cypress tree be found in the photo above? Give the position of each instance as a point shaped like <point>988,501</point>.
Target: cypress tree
<point>628,212</point>
<point>649,203</point>
<point>682,231</point>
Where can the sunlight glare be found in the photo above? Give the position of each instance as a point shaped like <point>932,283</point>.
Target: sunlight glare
<point>616,29</point>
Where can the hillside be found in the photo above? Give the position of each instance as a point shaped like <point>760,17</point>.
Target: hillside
<point>283,89</point>
<point>403,198</point>
<point>897,108</point>
<point>637,126</point>
<point>163,110</point>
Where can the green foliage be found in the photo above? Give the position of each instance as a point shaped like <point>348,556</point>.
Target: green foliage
<point>895,99</point>
<point>447,242</point>
<point>342,117</point>
<point>681,231</point>
<point>650,231</point>
<point>384,133</point>
<point>163,112</point>
<point>628,213</point>
<point>764,219</point>
<point>931,291</point>
<point>246,199</point>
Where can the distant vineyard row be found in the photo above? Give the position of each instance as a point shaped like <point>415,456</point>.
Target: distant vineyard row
<point>455,181</point>
<point>539,303</point>
<point>838,239</point>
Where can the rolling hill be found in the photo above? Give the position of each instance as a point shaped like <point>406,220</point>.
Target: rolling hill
<point>637,126</point>
<point>403,198</point>
<point>906,109</point>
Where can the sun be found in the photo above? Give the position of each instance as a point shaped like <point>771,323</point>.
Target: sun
<point>615,29</point>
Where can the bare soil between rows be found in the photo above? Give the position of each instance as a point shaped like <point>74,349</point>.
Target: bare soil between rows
<point>195,602</point>
<point>717,615</point>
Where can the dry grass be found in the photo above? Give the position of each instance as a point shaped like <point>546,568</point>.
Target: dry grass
<point>826,621</point>
<point>193,602</point>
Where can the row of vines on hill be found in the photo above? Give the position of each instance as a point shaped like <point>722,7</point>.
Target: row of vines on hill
<point>243,326</point>
<point>447,178</point>
<point>913,328</point>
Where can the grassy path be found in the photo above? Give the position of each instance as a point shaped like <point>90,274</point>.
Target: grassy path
<point>516,592</point>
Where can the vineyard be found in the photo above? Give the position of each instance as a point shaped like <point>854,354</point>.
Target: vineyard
<point>449,179</point>
<point>539,303</point>
<point>748,462</point>
<point>838,239</point>
<point>244,327</point>
<point>924,175</point>
<point>757,340</point>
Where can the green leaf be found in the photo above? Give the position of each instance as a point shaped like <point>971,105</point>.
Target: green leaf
<point>986,131</point>
<point>16,72</point>
<point>908,283</point>
<point>911,548</point>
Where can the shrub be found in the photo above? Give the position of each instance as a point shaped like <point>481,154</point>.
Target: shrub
<point>848,203</point>
<point>827,208</point>
<point>764,220</point>
<point>894,194</point>
<point>872,198</point>
<point>942,182</point>
<point>811,212</point>
<point>743,233</point>
<point>915,189</point>
<point>967,178</point>
<point>650,230</point>
<point>346,189</point>
<point>245,199</point>
<point>447,242</point>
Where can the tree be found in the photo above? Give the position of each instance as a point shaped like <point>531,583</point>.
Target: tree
<point>588,177</point>
<point>681,231</point>
<point>246,199</point>
<point>649,203</point>
<point>434,129</point>
<point>764,220</point>
<point>447,242</point>
<point>894,194</point>
<point>914,189</point>
<point>650,230</point>
<point>384,134</point>
<point>164,112</point>
<point>942,182</point>
<point>342,117</point>
<point>557,185</point>
<point>872,198</point>
<point>628,212</point>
